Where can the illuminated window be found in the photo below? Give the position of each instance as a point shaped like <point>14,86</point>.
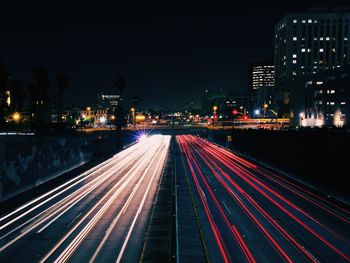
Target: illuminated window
<point>332,91</point>
<point>8,100</point>
<point>343,103</point>
<point>295,38</point>
<point>304,21</point>
<point>294,61</point>
<point>332,103</point>
<point>321,38</point>
<point>303,50</point>
<point>319,83</point>
<point>309,21</point>
<point>327,38</point>
<point>321,49</point>
<point>295,21</point>
<point>294,55</point>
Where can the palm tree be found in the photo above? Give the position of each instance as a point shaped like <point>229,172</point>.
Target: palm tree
<point>120,84</point>
<point>3,82</point>
<point>39,96</point>
<point>62,83</point>
<point>18,95</point>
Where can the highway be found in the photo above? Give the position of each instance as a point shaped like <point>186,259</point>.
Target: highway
<point>100,215</point>
<point>250,214</point>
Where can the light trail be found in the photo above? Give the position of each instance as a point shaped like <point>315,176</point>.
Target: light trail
<point>241,243</point>
<point>251,187</point>
<point>76,196</point>
<point>159,164</point>
<point>66,186</point>
<point>129,174</point>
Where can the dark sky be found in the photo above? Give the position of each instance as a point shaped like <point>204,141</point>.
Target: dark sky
<point>169,51</point>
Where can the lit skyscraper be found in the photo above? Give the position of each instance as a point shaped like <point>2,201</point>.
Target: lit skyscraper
<point>262,75</point>
<point>306,43</point>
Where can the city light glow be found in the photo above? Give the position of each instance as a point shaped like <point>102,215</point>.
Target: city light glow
<point>102,119</point>
<point>16,116</point>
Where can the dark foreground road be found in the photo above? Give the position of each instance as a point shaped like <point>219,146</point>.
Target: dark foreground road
<point>98,216</point>
<point>249,214</point>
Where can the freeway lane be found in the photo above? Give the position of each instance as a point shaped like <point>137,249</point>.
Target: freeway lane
<point>249,214</point>
<point>98,216</point>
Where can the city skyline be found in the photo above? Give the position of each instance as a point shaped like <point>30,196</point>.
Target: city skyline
<point>158,48</point>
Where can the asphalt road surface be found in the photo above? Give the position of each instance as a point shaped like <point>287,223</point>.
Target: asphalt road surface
<point>98,216</point>
<point>250,214</point>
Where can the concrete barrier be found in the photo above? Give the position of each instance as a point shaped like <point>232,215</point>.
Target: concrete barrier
<point>28,161</point>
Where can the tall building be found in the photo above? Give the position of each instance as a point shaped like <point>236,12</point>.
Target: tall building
<point>110,102</point>
<point>324,100</point>
<point>306,43</point>
<point>261,75</point>
<point>262,82</point>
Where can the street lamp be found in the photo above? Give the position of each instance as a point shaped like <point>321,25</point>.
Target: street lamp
<point>214,112</point>
<point>133,116</point>
<point>265,109</point>
<point>16,116</point>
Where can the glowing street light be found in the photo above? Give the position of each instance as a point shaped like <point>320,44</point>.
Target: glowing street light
<point>16,116</point>
<point>103,119</point>
<point>265,109</point>
<point>133,116</point>
<point>257,112</point>
<point>214,112</point>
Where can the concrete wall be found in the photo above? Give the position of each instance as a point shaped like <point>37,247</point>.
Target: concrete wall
<point>28,161</point>
<point>318,158</point>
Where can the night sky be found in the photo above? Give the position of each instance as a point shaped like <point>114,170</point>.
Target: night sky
<point>169,51</point>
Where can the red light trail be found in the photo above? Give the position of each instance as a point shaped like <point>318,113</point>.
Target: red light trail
<point>280,209</point>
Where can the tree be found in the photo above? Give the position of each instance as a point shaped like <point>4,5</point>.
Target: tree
<point>135,101</point>
<point>120,84</point>
<point>62,83</point>
<point>18,95</point>
<point>39,97</point>
<point>3,83</point>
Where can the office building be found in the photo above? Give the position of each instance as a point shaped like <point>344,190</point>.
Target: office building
<point>324,100</point>
<point>261,75</point>
<point>306,43</point>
